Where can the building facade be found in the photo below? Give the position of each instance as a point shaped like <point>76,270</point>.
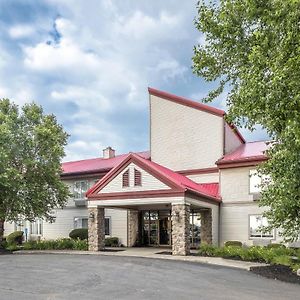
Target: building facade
<point>198,183</point>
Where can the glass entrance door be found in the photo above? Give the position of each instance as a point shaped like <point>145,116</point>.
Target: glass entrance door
<point>156,228</point>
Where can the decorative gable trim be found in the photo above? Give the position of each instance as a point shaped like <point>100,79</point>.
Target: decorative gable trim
<point>93,193</point>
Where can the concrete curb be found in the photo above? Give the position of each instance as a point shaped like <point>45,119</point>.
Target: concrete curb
<point>215,261</point>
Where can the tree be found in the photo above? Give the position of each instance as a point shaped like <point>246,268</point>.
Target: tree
<point>252,51</point>
<point>31,149</point>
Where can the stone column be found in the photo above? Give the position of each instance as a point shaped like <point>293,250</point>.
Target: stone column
<point>180,229</point>
<point>96,224</point>
<point>133,227</point>
<point>206,226</point>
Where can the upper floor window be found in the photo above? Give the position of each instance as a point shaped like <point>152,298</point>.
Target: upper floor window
<point>256,224</point>
<point>254,182</point>
<point>80,188</point>
<point>137,178</point>
<point>125,178</point>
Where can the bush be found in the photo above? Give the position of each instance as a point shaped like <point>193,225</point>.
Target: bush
<point>79,233</point>
<point>3,244</point>
<point>233,243</point>
<point>60,244</point>
<point>112,242</point>
<point>275,245</point>
<point>15,238</point>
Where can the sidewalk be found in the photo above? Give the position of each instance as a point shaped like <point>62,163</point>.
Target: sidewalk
<point>154,253</point>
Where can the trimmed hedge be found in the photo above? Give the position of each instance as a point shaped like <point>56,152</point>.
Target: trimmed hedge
<point>15,238</point>
<point>233,243</point>
<point>112,242</point>
<point>79,233</point>
<point>59,244</point>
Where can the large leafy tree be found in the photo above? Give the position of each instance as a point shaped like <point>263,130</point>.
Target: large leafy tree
<point>252,51</point>
<point>31,149</point>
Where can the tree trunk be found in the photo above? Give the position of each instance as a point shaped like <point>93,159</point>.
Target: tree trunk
<point>1,232</point>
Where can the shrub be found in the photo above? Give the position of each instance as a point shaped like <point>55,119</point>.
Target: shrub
<point>208,250</point>
<point>112,242</point>
<point>3,244</point>
<point>275,245</point>
<point>15,238</point>
<point>60,244</point>
<point>233,243</point>
<point>79,233</point>
<point>12,246</point>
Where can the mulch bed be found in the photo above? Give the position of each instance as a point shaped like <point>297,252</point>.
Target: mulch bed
<point>4,251</point>
<point>277,272</point>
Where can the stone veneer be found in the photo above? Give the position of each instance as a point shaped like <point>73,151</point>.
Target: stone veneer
<point>96,229</point>
<point>133,226</point>
<point>206,226</point>
<point>180,229</point>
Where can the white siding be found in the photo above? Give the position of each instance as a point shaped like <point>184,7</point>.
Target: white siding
<point>149,182</point>
<point>182,137</point>
<point>205,178</point>
<point>235,184</point>
<point>235,223</point>
<point>231,139</point>
<point>64,223</point>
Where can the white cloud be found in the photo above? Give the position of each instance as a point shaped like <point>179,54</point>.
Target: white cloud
<point>21,31</point>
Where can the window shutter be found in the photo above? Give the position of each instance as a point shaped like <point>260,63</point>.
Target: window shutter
<point>126,179</point>
<point>137,178</point>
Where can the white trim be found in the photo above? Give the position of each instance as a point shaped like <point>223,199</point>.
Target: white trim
<point>130,202</point>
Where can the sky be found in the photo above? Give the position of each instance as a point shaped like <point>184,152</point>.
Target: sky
<point>90,62</point>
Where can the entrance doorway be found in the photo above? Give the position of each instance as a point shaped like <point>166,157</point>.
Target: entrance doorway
<point>156,228</point>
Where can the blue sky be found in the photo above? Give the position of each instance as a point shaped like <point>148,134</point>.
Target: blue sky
<point>90,62</point>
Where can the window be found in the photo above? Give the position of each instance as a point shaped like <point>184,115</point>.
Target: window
<point>137,178</point>
<point>36,227</point>
<point>254,182</point>
<point>126,179</point>
<point>80,188</point>
<point>107,226</point>
<point>81,222</point>
<point>256,222</point>
<point>20,225</point>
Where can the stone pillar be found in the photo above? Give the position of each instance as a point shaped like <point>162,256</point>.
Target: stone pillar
<point>180,229</point>
<point>206,226</point>
<point>96,224</point>
<point>133,227</point>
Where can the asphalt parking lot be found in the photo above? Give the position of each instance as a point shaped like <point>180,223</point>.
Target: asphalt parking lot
<point>47,276</point>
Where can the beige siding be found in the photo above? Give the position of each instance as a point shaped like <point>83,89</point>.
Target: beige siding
<point>235,184</point>
<point>205,178</point>
<point>8,228</point>
<point>231,139</point>
<point>235,223</point>
<point>149,182</point>
<point>64,223</point>
<point>183,137</point>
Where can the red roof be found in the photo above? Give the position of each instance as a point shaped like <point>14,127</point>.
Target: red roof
<point>210,190</point>
<point>95,165</point>
<point>253,151</point>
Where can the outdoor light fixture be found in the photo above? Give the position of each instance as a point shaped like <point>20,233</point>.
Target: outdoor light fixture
<point>92,216</point>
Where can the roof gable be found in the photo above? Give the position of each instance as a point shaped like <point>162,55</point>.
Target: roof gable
<point>171,181</point>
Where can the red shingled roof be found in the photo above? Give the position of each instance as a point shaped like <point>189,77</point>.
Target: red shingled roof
<point>95,165</point>
<point>209,190</point>
<point>253,151</point>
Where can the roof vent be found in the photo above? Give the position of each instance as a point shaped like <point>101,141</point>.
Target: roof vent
<point>108,152</point>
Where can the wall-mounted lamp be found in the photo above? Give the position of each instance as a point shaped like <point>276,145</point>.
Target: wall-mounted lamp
<point>92,216</point>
